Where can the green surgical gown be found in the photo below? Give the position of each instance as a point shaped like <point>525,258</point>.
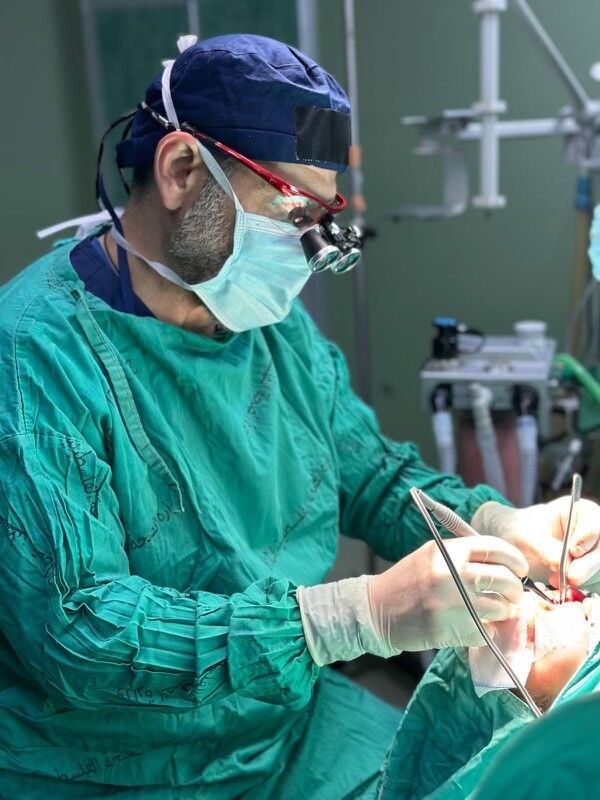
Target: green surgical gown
<point>162,495</point>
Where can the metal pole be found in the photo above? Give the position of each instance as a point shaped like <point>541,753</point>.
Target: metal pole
<point>490,104</point>
<point>352,78</point>
<point>306,27</point>
<point>193,15</point>
<point>361,311</point>
<point>92,68</point>
<point>524,129</point>
<point>561,67</point>
<point>316,292</point>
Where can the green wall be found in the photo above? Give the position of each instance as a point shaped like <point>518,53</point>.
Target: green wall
<point>420,56</point>
<point>46,150</point>
<point>414,56</point>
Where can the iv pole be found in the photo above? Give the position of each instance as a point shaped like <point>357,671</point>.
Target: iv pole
<point>361,312</point>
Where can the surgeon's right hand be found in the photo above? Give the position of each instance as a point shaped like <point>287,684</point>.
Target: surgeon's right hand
<point>415,604</point>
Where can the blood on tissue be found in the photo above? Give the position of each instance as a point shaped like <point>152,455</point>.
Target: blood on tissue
<point>573,595</point>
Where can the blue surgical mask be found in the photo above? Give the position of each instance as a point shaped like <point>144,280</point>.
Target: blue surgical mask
<point>594,251</point>
<point>266,270</point>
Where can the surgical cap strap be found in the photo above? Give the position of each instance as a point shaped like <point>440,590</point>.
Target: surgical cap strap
<point>182,44</point>
<point>166,95</point>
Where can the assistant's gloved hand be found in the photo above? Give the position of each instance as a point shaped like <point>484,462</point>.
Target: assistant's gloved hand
<point>538,532</point>
<point>415,604</point>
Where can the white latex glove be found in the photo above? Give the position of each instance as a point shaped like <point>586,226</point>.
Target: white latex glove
<point>538,532</point>
<point>415,604</point>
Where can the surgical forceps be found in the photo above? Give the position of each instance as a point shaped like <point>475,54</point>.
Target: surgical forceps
<point>562,569</point>
<point>450,520</point>
<point>416,495</point>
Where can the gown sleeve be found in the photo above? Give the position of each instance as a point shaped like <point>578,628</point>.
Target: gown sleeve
<point>376,473</point>
<point>92,634</point>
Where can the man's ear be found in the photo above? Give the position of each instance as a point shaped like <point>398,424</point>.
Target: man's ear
<point>179,170</point>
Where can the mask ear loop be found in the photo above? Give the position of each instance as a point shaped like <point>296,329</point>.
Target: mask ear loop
<point>216,171</point>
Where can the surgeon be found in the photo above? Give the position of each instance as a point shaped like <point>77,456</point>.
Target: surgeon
<point>180,450</point>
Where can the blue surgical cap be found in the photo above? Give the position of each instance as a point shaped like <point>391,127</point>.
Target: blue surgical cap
<point>261,97</point>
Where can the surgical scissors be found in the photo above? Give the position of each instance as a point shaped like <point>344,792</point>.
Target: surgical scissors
<point>576,487</point>
<point>416,495</point>
<point>450,520</point>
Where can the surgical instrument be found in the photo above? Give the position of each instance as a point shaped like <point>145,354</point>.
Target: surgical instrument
<point>562,569</point>
<point>450,520</point>
<point>416,495</point>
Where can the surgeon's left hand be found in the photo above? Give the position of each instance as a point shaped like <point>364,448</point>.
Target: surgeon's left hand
<point>538,532</point>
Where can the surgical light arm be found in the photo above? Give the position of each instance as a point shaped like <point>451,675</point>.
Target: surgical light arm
<point>446,133</point>
<point>441,137</point>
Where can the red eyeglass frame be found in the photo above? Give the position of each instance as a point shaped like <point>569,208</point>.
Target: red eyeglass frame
<point>282,186</point>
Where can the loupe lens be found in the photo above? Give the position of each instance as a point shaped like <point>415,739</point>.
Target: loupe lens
<point>319,254</point>
<point>326,258</point>
<point>347,261</point>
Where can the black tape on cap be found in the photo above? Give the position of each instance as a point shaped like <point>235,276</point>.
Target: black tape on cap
<point>322,134</point>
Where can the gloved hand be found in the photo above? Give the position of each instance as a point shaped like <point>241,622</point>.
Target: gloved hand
<point>538,532</point>
<point>415,604</point>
